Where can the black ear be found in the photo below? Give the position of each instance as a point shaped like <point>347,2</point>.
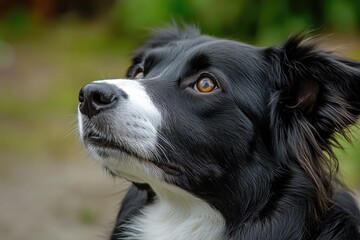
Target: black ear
<point>314,95</point>
<point>318,86</point>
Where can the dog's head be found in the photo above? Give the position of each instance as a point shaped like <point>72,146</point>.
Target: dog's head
<point>218,118</point>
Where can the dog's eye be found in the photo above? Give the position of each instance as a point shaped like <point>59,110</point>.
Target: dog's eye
<point>205,84</point>
<point>139,73</point>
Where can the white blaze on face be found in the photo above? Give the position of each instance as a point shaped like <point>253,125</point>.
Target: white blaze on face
<point>139,102</point>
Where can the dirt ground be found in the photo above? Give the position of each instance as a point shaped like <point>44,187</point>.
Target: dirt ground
<point>57,200</point>
<point>64,200</point>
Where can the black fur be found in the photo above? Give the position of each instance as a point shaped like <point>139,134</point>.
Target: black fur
<point>259,149</point>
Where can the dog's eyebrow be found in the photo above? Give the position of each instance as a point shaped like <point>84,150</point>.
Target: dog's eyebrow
<point>197,63</point>
<point>150,61</point>
<point>137,59</point>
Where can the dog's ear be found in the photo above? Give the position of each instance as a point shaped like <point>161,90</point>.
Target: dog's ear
<point>315,94</point>
<point>317,85</point>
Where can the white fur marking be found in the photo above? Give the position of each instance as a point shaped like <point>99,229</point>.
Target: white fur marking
<point>176,215</point>
<point>139,102</point>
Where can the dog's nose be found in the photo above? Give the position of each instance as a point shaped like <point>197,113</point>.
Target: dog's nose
<point>96,97</point>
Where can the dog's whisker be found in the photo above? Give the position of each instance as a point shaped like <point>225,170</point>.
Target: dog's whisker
<point>162,150</point>
<point>163,138</point>
<point>74,128</point>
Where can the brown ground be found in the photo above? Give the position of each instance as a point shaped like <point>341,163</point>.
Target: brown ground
<point>65,200</point>
<point>55,200</point>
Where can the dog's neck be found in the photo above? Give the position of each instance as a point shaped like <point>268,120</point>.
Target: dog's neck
<point>176,214</point>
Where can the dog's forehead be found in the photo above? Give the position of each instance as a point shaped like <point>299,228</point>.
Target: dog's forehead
<point>186,57</point>
<point>213,47</point>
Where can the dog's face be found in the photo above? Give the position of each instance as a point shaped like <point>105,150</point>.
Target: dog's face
<point>181,116</point>
<point>210,115</point>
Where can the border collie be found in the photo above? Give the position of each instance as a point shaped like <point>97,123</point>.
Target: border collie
<point>226,141</point>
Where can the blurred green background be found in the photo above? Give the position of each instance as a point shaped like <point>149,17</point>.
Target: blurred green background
<point>50,48</point>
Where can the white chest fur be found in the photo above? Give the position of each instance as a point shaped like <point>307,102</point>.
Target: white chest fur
<point>184,218</point>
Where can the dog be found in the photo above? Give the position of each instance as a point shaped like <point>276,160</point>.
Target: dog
<point>226,141</point>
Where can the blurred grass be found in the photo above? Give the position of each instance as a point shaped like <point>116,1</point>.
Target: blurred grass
<point>349,158</point>
<point>88,216</point>
<point>38,92</point>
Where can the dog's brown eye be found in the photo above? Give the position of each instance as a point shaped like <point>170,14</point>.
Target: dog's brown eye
<point>139,73</point>
<point>205,85</point>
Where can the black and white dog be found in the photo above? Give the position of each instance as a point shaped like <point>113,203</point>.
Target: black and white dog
<point>223,140</point>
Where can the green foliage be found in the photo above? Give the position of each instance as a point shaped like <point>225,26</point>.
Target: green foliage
<point>264,21</point>
<point>343,16</point>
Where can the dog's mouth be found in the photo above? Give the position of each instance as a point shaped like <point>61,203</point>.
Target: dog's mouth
<point>169,168</point>
<point>96,140</point>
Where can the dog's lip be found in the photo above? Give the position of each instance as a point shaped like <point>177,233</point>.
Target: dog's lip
<point>169,168</point>
<point>98,141</point>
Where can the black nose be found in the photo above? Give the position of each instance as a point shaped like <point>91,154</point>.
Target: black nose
<point>96,97</point>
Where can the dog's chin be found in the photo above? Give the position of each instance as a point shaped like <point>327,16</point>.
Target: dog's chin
<point>121,161</point>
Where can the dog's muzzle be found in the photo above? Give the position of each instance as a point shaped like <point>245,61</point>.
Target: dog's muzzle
<point>118,116</point>
<point>118,124</point>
